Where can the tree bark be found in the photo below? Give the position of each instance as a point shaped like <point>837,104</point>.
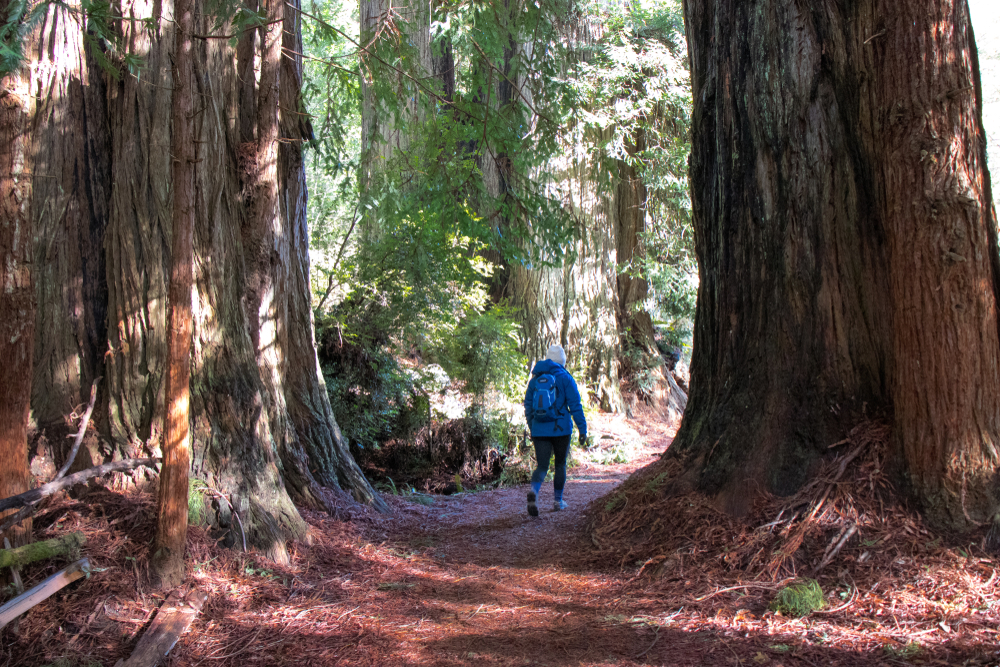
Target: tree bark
<point>70,212</point>
<point>938,211</point>
<point>115,188</point>
<point>322,456</point>
<point>824,142</point>
<point>167,562</point>
<point>17,303</point>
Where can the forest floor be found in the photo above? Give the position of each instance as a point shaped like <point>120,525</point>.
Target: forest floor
<point>471,579</point>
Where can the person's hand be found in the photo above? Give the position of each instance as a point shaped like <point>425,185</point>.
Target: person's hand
<point>583,440</point>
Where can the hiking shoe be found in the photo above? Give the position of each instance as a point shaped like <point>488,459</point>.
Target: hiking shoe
<point>559,505</point>
<point>532,507</point>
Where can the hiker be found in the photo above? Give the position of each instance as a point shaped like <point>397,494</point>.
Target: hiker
<point>552,398</point>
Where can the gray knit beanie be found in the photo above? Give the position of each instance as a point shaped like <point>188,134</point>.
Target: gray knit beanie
<point>557,354</point>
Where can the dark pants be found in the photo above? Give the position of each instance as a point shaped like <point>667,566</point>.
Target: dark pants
<point>544,448</point>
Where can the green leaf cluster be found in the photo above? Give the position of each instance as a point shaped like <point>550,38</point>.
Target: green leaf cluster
<point>485,354</point>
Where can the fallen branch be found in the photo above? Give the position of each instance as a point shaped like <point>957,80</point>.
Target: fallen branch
<point>28,511</point>
<point>766,587</point>
<point>18,517</point>
<point>59,546</point>
<point>81,432</point>
<point>28,497</point>
<point>43,591</point>
<point>173,618</point>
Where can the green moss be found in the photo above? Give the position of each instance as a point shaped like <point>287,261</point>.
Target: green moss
<point>907,652</point>
<point>800,598</point>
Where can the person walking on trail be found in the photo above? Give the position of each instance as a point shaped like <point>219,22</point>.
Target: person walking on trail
<point>551,405</point>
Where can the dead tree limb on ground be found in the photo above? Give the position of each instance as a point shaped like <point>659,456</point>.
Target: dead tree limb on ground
<point>29,553</point>
<point>28,497</point>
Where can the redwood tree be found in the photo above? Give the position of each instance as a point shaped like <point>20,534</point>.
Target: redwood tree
<point>261,435</point>
<point>172,510</point>
<point>17,304</point>
<point>847,248</point>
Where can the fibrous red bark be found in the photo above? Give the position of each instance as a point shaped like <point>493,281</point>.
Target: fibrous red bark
<point>17,303</point>
<point>105,205</point>
<point>846,242</point>
<point>167,560</point>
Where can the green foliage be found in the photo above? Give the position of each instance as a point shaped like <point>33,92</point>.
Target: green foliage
<point>373,398</point>
<point>23,17</point>
<point>516,472</point>
<point>799,598</point>
<point>485,354</point>
<point>332,95</point>
<point>641,368</point>
<point>616,501</point>
<point>197,505</point>
<point>437,179</point>
<point>909,651</point>
<point>653,485</point>
<point>415,282</point>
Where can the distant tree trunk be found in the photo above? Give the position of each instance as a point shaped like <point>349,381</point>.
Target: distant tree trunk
<point>630,201</point>
<point>17,303</point>
<point>388,130</point>
<point>122,170</point>
<point>167,562</point>
<point>847,248</point>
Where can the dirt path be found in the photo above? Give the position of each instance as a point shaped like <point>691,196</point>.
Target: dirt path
<point>484,583</point>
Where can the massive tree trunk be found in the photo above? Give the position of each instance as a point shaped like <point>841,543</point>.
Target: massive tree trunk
<point>17,303</point>
<point>71,197</point>
<point>253,441</point>
<point>322,452</point>
<point>945,270</point>
<point>846,244</point>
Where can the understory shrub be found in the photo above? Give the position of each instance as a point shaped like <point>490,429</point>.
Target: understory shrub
<point>373,397</point>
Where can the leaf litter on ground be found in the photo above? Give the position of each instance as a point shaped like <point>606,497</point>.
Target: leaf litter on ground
<point>471,579</point>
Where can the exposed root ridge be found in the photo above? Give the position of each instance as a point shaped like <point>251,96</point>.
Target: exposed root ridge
<point>847,507</point>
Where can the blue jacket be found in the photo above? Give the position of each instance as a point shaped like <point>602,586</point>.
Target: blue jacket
<point>568,397</point>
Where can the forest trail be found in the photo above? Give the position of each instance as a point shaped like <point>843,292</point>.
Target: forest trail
<point>475,580</point>
<point>468,579</point>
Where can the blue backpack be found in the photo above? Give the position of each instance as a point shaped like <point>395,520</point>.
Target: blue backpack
<point>545,401</point>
